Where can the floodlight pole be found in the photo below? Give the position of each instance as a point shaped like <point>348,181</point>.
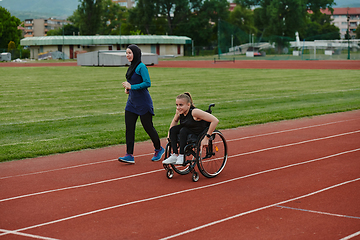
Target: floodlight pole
<point>192,48</point>
<point>120,33</point>
<point>219,38</point>
<point>348,32</point>
<point>232,42</point>
<point>63,50</point>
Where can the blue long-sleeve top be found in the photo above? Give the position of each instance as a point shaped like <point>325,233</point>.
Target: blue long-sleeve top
<point>142,70</point>
<point>139,100</point>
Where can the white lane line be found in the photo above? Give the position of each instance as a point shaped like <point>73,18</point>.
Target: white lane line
<point>231,140</point>
<point>293,144</point>
<point>258,209</point>
<point>70,167</point>
<point>290,130</point>
<point>80,186</point>
<point>183,191</point>
<point>25,234</point>
<point>62,118</point>
<point>318,212</point>
<point>140,174</point>
<point>351,236</point>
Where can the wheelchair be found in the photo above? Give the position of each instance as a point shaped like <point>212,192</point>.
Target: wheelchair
<point>210,160</point>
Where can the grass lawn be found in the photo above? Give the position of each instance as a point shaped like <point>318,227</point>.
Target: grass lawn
<point>48,110</point>
<point>320,55</point>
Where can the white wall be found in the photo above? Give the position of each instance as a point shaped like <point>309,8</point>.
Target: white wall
<point>169,49</point>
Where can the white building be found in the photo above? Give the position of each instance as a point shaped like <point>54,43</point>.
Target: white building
<point>125,3</point>
<point>163,45</point>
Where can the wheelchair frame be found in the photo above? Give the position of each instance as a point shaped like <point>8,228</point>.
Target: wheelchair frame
<point>210,160</point>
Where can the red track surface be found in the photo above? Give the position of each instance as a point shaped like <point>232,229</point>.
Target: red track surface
<point>288,180</point>
<point>294,179</point>
<point>265,64</point>
<point>256,64</point>
<point>38,64</point>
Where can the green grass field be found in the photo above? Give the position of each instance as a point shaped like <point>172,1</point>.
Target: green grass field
<point>320,55</point>
<point>48,110</point>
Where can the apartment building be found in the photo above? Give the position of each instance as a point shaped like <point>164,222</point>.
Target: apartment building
<point>40,27</point>
<point>340,20</point>
<point>125,3</point>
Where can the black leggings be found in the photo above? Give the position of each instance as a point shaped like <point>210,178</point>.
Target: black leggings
<point>183,132</point>
<point>146,121</point>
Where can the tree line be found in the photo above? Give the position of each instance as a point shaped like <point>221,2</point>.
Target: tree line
<point>199,19</point>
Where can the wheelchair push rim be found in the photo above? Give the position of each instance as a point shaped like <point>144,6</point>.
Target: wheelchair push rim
<point>212,159</point>
<point>179,169</point>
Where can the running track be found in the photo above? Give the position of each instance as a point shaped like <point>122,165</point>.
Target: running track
<point>295,179</point>
<point>249,64</point>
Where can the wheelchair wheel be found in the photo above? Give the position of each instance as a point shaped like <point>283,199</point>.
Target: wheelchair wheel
<point>179,169</point>
<point>169,173</point>
<point>212,159</point>
<point>195,176</point>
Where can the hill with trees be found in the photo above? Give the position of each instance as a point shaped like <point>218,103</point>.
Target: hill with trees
<point>347,3</point>
<point>23,9</point>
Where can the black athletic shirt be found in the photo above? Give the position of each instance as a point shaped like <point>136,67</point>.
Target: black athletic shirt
<point>188,121</point>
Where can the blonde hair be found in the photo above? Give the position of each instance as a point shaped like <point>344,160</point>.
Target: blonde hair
<point>188,98</point>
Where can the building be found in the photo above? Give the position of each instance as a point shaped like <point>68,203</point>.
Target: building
<point>340,20</point>
<point>72,45</point>
<point>40,27</point>
<point>125,3</point>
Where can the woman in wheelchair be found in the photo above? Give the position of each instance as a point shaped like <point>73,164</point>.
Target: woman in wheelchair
<point>192,121</point>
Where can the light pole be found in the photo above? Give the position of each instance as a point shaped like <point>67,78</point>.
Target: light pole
<point>63,50</point>
<point>120,34</point>
<point>219,38</point>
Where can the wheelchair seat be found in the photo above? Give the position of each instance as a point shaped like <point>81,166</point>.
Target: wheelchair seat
<point>192,138</point>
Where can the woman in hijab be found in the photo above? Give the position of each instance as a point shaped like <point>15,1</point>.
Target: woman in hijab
<point>139,103</point>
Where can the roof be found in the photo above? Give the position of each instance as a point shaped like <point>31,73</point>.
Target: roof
<point>105,40</point>
<point>343,11</point>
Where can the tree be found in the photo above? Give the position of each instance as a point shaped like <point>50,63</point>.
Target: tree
<point>284,19</point>
<point>243,18</point>
<point>88,16</point>
<point>75,19</point>
<point>144,16</point>
<point>9,29</point>
<point>192,18</point>
<point>313,5</point>
<point>201,24</point>
<point>216,9</point>
<point>112,17</point>
<point>280,19</point>
<point>347,35</point>
<point>196,26</point>
<point>68,29</point>
<point>98,17</point>
<point>11,46</point>
<point>175,11</point>
<point>357,31</point>
<point>319,26</point>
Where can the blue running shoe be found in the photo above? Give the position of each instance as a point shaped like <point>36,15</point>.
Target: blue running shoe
<point>128,158</point>
<point>158,154</point>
